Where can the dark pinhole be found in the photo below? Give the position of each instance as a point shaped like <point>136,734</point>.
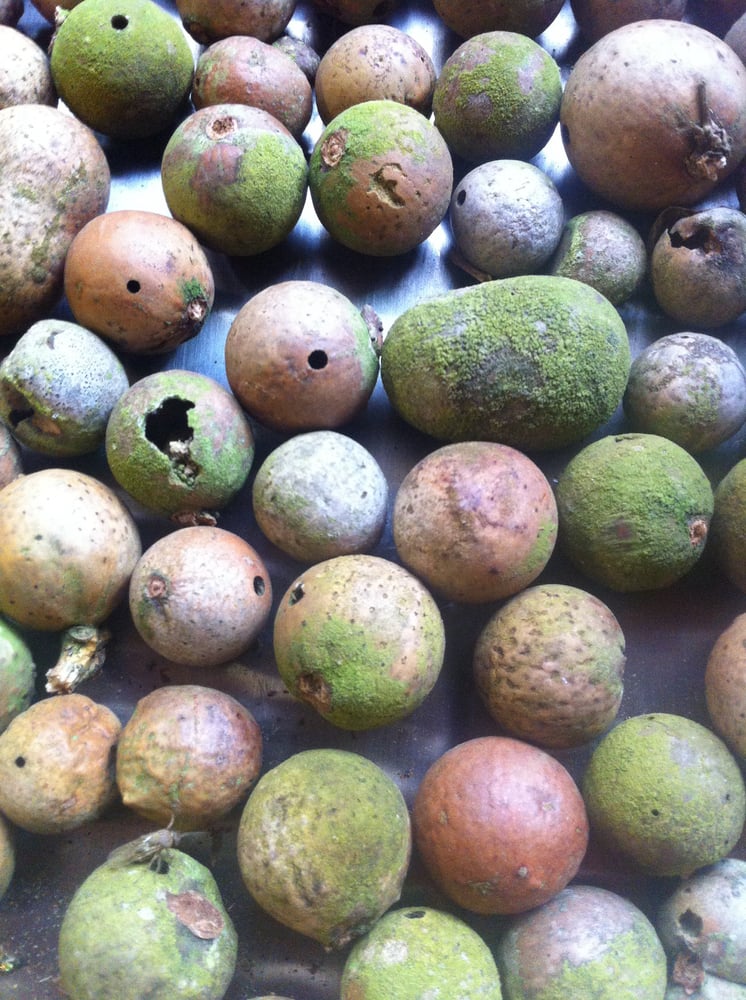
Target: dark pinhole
<point>20,761</point>
<point>318,360</point>
<point>654,812</point>
<point>461,197</point>
<point>119,22</point>
<point>690,922</point>
<point>133,285</point>
<point>296,594</point>
<point>168,423</point>
<point>259,585</point>
<point>18,416</point>
<point>415,914</point>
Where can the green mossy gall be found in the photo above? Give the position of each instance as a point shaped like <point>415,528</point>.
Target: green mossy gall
<point>360,639</point>
<point>634,511</point>
<point>380,176</point>
<point>123,67</point>
<point>324,844</point>
<point>665,792</point>
<point>156,930</point>
<point>729,525</point>
<point>585,942</point>
<point>418,952</point>
<point>497,96</point>
<point>534,361</point>
<point>236,177</point>
<point>179,443</point>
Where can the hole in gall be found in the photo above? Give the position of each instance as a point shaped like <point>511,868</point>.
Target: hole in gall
<point>259,585</point>
<point>119,22</point>
<point>169,423</point>
<point>133,286</point>
<point>318,360</point>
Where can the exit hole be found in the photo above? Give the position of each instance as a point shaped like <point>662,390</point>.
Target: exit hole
<point>318,360</point>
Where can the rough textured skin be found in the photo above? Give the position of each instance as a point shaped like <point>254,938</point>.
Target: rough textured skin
<point>200,596</point>
<point>688,387</point>
<point>140,280</point>
<point>634,511</point>
<point>645,148</point>
<point>17,675</point>
<point>598,17</point>
<point>360,639</point>
<point>476,520</point>
<point>209,20</point>
<point>586,942</point>
<point>380,177</point>
<point>236,177</point>
<point>506,218</point>
<point>320,495</point>
<point>418,952</point>
<point>25,76</point>
<point>56,768</point>
<point>664,792</point>
<point>58,386</point>
<point>245,70</point>
<point>605,251</point>
<point>124,67</point>
<point>472,17</point>
<point>725,684</point>
<point>728,530</point>
<point>55,179</point>
<point>324,844</point>
<point>497,96</point>
<point>69,548</point>
<point>300,356</point>
<point>179,442</point>
<point>187,755</point>
<point>698,268</point>
<point>129,933</point>
<point>534,361</point>
<point>373,62</point>
<point>704,920</point>
<point>499,824</point>
<point>549,666</point>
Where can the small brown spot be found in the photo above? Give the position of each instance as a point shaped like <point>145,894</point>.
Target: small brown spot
<point>196,913</point>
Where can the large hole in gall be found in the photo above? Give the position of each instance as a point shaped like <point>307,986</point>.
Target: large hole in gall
<point>169,423</point>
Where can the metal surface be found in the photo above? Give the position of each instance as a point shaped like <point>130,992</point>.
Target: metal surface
<point>669,633</point>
